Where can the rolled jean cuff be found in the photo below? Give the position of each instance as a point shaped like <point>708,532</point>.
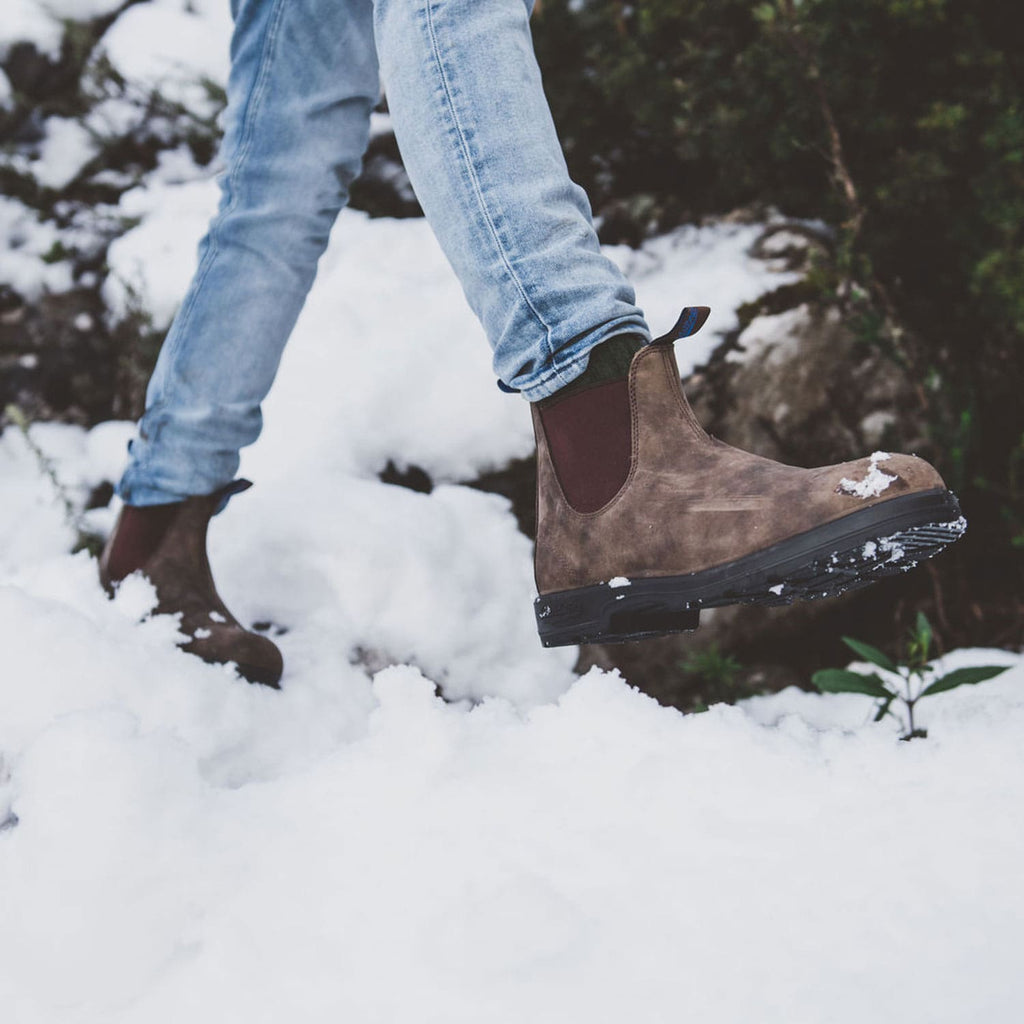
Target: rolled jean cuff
<point>572,361</point>
<point>147,482</point>
<point>148,497</point>
<point>141,496</point>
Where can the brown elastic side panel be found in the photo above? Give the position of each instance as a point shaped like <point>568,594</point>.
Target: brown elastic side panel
<point>137,536</point>
<point>589,437</point>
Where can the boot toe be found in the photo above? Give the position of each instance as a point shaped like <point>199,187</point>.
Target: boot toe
<point>263,665</point>
<point>882,476</point>
<point>915,473</point>
<point>257,659</point>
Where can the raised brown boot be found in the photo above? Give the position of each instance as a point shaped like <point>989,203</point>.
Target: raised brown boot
<point>643,518</point>
<point>168,544</point>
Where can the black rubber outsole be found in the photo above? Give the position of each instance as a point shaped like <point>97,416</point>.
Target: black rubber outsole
<point>843,555</point>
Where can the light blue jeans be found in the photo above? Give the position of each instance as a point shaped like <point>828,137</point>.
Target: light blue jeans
<point>477,139</point>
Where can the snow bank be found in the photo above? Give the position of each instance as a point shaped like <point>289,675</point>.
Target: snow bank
<point>352,569</point>
<point>189,846</point>
<point>175,842</point>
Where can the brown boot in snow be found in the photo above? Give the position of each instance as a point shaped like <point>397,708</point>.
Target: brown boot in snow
<point>168,544</point>
<point>643,518</point>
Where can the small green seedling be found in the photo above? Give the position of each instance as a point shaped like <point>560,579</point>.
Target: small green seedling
<point>915,674</point>
<point>714,674</point>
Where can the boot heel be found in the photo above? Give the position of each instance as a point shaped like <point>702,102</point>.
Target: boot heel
<point>606,613</point>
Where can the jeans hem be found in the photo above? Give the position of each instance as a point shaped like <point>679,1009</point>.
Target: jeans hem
<point>566,372</point>
<point>148,495</point>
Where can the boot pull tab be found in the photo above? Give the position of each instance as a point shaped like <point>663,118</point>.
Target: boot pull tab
<point>690,321</point>
<point>227,492</point>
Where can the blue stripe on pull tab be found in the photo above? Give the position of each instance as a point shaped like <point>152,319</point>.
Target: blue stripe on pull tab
<point>690,321</point>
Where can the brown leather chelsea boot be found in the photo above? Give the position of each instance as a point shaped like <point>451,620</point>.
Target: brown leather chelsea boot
<point>643,518</point>
<point>167,543</point>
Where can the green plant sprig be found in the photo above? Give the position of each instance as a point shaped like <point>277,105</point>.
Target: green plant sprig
<point>915,674</point>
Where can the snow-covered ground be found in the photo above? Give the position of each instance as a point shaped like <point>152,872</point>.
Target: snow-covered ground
<point>182,845</point>
<point>176,844</point>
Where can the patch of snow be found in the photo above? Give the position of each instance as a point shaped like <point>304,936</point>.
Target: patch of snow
<point>380,124</point>
<point>780,243</point>
<point>217,617</point>
<point>135,598</point>
<point>6,92</point>
<point>715,262</point>
<point>114,117</point>
<point>875,425</point>
<point>774,338</point>
<point>777,589</point>
<point>155,261</point>
<point>24,241</point>
<point>874,482</point>
<point>619,581</point>
<point>66,148</point>
<point>80,10</point>
<point>175,167</point>
<point>106,447</point>
<point>892,548</point>
<point>28,21</point>
<point>172,45</point>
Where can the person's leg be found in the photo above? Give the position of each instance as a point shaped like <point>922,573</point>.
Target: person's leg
<point>477,138</point>
<point>302,85</point>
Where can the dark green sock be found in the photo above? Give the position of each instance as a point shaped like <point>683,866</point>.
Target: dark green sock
<point>608,361</point>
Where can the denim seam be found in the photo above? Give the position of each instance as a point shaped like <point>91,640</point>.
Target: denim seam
<point>474,181</point>
<point>252,108</point>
